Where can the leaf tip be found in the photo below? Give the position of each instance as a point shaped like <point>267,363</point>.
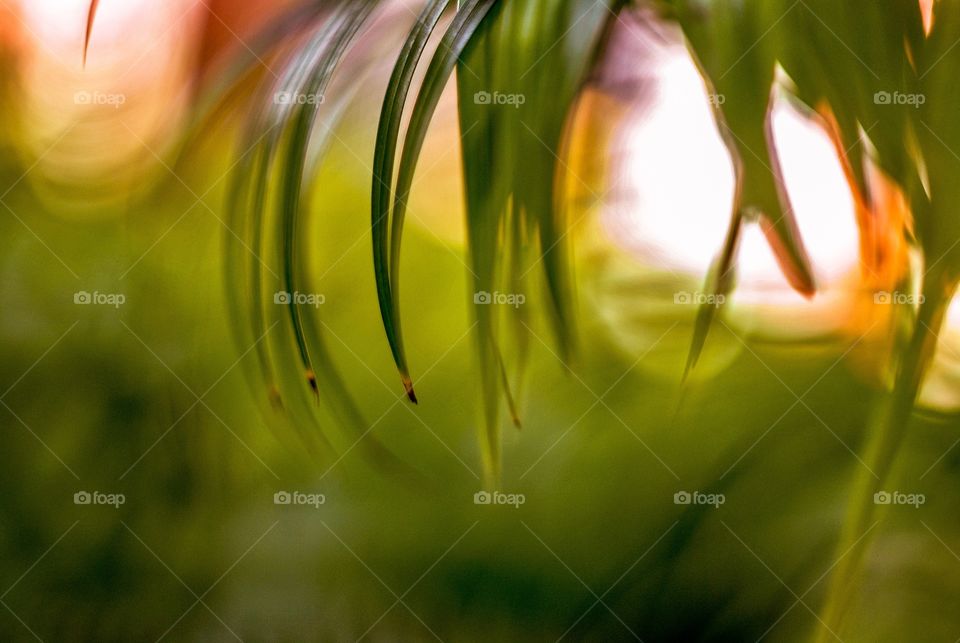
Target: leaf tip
<point>408,387</point>
<point>312,380</point>
<point>274,396</point>
<point>91,15</point>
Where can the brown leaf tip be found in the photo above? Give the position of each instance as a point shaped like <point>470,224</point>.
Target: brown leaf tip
<point>274,396</point>
<point>312,379</point>
<point>408,387</point>
<point>91,15</point>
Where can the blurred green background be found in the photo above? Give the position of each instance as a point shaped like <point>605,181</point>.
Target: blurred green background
<point>97,398</point>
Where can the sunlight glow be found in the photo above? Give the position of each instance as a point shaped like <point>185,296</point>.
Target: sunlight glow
<point>678,204</point>
<point>119,107</point>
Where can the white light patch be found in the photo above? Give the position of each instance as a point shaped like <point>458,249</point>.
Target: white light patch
<point>680,185</point>
<point>61,24</point>
<point>678,176</point>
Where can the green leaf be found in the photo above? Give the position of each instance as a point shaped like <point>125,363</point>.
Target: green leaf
<point>248,197</point>
<point>344,28</point>
<point>388,132</point>
<point>267,232</point>
<point>720,283</point>
<point>517,84</point>
<point>745,80</point>
<point>451,46</point>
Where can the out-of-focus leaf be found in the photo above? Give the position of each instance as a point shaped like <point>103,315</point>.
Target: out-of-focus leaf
<point>857,58</point>
<point>249,195</point>
<point>720,282</point>
<point>292,170</point>
<point>884,439</point>
<point>267,231</point>
<point>938,134</point>
<point>91,16</point>
<point>741,79</point>
<point>517,84</point>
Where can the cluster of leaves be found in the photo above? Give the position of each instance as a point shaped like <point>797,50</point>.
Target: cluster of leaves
<point>511,162</point>
<point>885,82</point>
<point>524,49</point>
<point>847,61</point>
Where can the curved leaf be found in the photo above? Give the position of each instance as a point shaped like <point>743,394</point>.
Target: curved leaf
<point>291,175</point>
<point>91,16</point>
<point>388,132</point>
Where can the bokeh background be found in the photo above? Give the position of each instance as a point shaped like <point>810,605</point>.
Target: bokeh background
<point>151,398</point>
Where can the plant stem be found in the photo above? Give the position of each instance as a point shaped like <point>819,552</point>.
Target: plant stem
<point>883,444</point>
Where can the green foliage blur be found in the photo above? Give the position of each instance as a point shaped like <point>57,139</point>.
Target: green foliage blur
<point>154,399</point>
<point>103,398</point>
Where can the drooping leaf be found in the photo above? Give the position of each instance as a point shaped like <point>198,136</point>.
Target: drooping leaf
<point>292,170</point>
<point>720,282</point>
<point>741,83</point>
<point>91,16</point>
<point>248,201</point>
<point>267,231</point>
<point>742,79</point>
<point>841,54</point>
<point>388,132</point>
<point>517,84</point>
